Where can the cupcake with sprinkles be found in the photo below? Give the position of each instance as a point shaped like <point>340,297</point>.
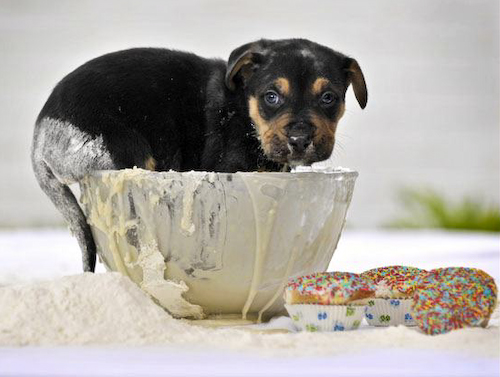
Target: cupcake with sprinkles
<point>452,298</point>
<point>328,301</point>
<point>395,287</point>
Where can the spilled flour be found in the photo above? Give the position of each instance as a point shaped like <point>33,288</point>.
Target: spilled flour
<point>100,309</point>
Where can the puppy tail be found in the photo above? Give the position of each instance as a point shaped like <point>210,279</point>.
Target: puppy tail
<point>64,200</point>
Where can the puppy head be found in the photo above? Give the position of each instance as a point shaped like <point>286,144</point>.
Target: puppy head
<point>295,91</point>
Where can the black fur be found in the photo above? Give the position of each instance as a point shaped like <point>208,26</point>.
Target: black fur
<point>184,111</point>
<point>168,104</point>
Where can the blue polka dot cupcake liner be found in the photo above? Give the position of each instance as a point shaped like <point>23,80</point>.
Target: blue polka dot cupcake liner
<point>312,318</point>
<point>389,312</point>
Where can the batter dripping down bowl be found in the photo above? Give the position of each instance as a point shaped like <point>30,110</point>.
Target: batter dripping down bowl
<point>216,244</point>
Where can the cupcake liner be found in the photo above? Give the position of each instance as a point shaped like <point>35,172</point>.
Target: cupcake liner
<point>389,312</point>
<point>326,317</point>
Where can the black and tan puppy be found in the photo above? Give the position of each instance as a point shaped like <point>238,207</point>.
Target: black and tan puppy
<point>272,105</point>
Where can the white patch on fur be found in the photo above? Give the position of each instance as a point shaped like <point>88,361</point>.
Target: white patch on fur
<point>306,53</point>
<point>68,150</point>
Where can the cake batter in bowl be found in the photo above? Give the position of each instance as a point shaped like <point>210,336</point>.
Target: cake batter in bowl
<point>217,244</point>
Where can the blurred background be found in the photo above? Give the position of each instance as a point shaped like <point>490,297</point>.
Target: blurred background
<point>426,147</point>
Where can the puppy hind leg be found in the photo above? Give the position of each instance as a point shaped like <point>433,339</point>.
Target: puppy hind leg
<point>63,154</point>
<point>64,200</point>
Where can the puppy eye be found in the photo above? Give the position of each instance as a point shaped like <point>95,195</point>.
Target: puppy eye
<point>272,98</point>
<point>327,98</point>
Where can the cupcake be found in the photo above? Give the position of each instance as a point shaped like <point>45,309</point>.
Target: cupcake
<point>395,286</point>
<point>328,301</point>
<point>451,298</point>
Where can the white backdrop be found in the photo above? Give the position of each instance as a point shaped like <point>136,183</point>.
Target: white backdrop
<point>431,65</point>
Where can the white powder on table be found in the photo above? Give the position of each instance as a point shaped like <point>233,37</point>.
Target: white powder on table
<point>102,309</point>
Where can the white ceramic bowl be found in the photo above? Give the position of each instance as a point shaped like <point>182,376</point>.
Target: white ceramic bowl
<point>234,239</point>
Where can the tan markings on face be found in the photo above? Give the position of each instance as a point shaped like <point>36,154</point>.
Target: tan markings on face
<point>283,85</point>
<point>325,128</point>
<point>268,129</point>
<point>150,164</point>
<point>341,111</point>
<point>319,85</point>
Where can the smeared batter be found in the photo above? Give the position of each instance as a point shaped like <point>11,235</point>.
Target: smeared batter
<point>142,261</point>
<point>233,239</point>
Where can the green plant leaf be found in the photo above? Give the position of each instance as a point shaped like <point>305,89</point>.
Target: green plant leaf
<point>425,208</point>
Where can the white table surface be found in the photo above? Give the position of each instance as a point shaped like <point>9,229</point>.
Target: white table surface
<point>33,255</point>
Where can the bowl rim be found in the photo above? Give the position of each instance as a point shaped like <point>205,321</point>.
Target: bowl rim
<point>337,173</point>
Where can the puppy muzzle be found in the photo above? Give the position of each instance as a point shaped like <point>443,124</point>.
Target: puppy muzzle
<point>300,136</point>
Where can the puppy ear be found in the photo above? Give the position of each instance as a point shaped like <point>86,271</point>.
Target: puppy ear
<point>242,62</point>
<point>356,78</point>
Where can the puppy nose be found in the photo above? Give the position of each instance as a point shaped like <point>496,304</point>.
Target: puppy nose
<point>299,143</point>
